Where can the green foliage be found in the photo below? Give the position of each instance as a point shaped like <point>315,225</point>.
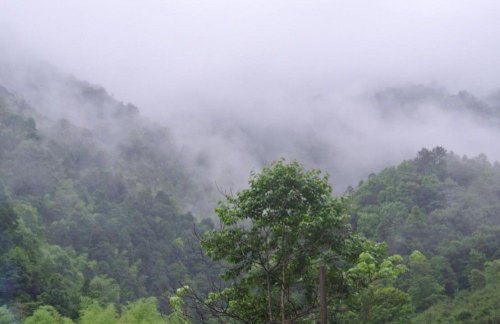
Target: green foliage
<point>47,315</point>
<point>479,305</point>
<point>374,298</point>
<point>423,287</point>
<point>93,313</point>
<point>91,211</point>
<point>477,279</point>
<point>273,237</point>
<point>178,315</point>
<point>6,317</point>
<point>446,207</point>
<point>370,267</point>
<point>63,281</point>
<point>104,290</point>
<point>143,311</point>
<point>378,304</point>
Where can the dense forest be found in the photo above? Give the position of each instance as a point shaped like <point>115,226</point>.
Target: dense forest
<point>94,228</point>
<point>85,218</point>
<point>441,212</point>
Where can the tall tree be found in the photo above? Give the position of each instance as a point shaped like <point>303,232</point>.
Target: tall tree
<point>273,237</point>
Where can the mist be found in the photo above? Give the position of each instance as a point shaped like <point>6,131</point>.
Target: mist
<point>348,87</point>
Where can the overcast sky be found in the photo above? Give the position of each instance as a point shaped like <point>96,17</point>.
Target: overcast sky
<point>242,83</point>
<point>155,52</point>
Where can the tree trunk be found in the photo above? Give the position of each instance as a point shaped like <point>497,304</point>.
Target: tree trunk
<point>282,303</point>
<point>269,302</point>
<point>322,296</point>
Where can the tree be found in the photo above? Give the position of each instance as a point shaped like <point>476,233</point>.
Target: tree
<point>178,315</point>
<point>6,317</point>
<point>47,315</point>
<point>142,311</point>
<point>423,286</point>
<point>377,300</point>
<point>93,313</point>
<point>104,290</point>
<point>273,237</point>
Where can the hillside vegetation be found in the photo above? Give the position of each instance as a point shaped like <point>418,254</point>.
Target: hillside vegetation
<point>83,217</point>
<point>93,228</point>
<point>447,208</point>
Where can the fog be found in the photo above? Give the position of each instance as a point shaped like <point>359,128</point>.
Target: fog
<point>243,83</point>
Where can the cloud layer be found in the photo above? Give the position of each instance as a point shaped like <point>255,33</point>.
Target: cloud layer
<point>244,83</point>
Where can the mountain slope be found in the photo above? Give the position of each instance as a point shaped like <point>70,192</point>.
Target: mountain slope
<point>90,204</point>
<point>446,207</point>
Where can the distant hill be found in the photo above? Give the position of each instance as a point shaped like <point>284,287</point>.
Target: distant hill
<point>448,208</point>
<point>90,201</point>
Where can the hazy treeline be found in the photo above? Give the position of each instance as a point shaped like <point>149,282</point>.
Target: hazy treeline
<point>347,134</point>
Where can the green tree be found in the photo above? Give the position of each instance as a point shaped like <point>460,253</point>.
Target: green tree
<point>478,305</point>
<point>47,315</point>
<point>142,311</point>
<point>104,290</point>
<point>273,237</point>
<point>376,300</point>
<point>6,317</point>
<point>423,286</point>
<point>93,313</point>
<point>378,304</point>
<point>178,314</point>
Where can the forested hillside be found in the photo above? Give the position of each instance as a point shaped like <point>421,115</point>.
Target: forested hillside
<point>93,201</point>
<point>448,208</point>
<point>91,209</point>
<point>251,162</point>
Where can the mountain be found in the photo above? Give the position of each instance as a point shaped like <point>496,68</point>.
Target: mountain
<point>90,195</point>
<point>446,207</point>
